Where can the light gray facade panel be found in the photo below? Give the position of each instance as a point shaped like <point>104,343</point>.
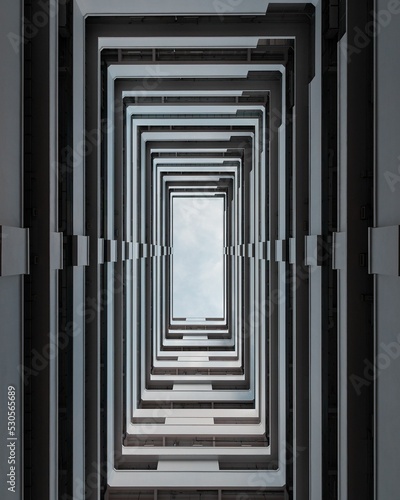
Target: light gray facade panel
<point>12,374</point>
<point>387,118</point>
<point>11,214</point>
<point>11,50</point>
<point>387,288</point>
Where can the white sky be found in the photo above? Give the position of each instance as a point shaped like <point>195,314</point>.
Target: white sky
<point>198,241</point>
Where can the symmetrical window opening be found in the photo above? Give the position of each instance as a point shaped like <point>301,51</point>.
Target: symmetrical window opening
<point>198,270</point>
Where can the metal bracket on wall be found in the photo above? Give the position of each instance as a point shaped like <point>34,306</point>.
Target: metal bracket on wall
<point>339,250</point>
<point>100,251</point>
<point>292,251</point>
<point>228,250</point>
<point>14,251</point>
<point>141,250</point>
<point>384,250</point>
<point>56,251</point>
<point>281,250</point>
<point>129,250</point>
<point>264,250</point>
<point>160,250</point>
<point>121,250</point>
<point>317,250</point>
<point>157,250</point>
<point>249,249</point>
<point>80,250</point>
<point>110,250</point>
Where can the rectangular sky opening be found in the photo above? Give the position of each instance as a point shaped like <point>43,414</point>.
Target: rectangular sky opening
<point>198,277</point>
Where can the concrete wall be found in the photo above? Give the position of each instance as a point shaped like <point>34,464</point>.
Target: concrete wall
<point>387,213</point>
<point>11,214</point>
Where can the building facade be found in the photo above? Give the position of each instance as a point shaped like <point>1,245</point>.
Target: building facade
<point>199,261</point>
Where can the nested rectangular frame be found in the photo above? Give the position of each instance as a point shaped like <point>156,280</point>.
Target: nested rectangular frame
<point>195,186</point>
<point>148,133</point>
<point>223,333</point>
<point>196,328</point>
<point>220,172</point>
<point>178,353</point>
<point>81,9</point>
<point>215,338</point>
<point>175,342</point>
<point>212,173</point>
